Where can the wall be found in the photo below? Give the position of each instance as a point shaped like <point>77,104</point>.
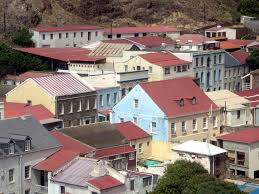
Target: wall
<point>71,41</point>
<point>13,163</point>
<point>103,92</point>
<point>146,113</point>
<point>29,90</point>
<point>146,147</point>
<point>253,159</point>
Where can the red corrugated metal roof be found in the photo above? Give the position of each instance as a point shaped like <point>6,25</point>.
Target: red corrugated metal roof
<point>112,151</point>
<point>249,135</point>
<point>68,143</point>
<point>105,182</point>
<point>62,54</point>
<point>29,74</point>
<point>195,38</point>
<point>131,131</point>
<point>240,42</point>
<point>142,29</point>
<point>56,160</point>
<point>39,112</point>
<point>228,45</point>
<point>251,95</point>
<point>163,59</point>
<point>216,28</point>
<point>168,93</point>
<point>64,28</point>
<point>151,41</point>
<point>241,56</point>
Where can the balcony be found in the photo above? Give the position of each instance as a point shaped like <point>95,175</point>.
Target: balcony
<point>40,189</point>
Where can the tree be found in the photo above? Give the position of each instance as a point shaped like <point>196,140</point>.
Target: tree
<point>249,7</point>
<point>185,177</point>
<point>12,61</point>
<point>23,38</point>
<point>253,60</point>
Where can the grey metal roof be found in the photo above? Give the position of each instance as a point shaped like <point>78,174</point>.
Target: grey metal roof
<point>112,49</point>
<point>27,126</point>
<point>230,61</point>
<point>97,135</point>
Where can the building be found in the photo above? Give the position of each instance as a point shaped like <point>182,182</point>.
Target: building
<point>236,109</point>
<point>67,58</point>
<point>24,142</point>
<point>250,80</point>
<point>65,36</point>
<point>194,42</point>
<point>220,31</point>
<point>243,148</point>
<point>208,155</point>
<point>170,112</point>
<point>109,143</point>
<point>127,32</point>
<point>207,67</point>
<point>160,65</point>
<point>39,112</point>
<point>137,137</point>
<point>73,102</point>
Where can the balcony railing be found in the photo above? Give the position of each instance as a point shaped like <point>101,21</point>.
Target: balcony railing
<point>40,189</point>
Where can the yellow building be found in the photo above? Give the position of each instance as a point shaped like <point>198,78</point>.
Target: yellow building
<point>161,65</point>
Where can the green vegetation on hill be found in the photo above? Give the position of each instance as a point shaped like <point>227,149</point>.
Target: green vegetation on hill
<point>185,177</point>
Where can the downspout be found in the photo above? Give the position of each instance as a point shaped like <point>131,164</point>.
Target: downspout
<point>21,174</point>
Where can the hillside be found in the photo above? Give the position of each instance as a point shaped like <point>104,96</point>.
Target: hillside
<point>181,13</point>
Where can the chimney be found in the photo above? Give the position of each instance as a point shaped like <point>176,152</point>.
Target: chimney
<point>28,103</point>
<point>219,26</point>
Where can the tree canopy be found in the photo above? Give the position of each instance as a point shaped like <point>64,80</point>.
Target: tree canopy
<point>23,38</point>
<point>249,7</point>
<point>253,59</point>
<point>16,62</point>
<point>185,177</point>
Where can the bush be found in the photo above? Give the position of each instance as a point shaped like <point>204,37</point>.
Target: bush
<point>23,38</point>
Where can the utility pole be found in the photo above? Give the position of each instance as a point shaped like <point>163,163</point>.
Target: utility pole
<point>4,12</point>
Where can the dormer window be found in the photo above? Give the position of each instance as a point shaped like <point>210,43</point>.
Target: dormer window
<point>194,100</point>
<point>181,102</point>
<point>27,146</point>
<point>11,148</point>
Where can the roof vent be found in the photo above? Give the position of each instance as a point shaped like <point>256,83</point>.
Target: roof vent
<point>181,102</point>
<point>219,26</point>
<point>189,41</point>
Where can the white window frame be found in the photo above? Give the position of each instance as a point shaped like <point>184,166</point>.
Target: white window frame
<point>62,110</point>
<point>136,103</point>
<point>87,104</point>
<point>206,127</point>
<point>194,127</point>
<point>13,180</point>
<point>27,145</point>
<point>108,97</point>
<point>80,106</point>
<point>70,107</point>
<point>29,173</point>
<point>11,148</point>
<point>183,127</point>
<point>101,100</point>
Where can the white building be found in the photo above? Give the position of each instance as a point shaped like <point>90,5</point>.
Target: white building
<point>208,155</point>
<point>127,32</point>
<point>65,36</point>
<point>220,31</point>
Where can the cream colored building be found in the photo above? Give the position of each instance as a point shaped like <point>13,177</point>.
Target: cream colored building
<point>161,65</point>
<point>236,109</point>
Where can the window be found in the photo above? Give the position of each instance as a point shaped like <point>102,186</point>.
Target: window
<point>147,181</point>
<point>62,190</point>
<point>135,120</point>
<point>71,107</point>
<point>219,75</point>
<point>95,103</point>
<point>183,127</point>
<point>138,68</point>
<point>27,146</point>
<point>132,187</point>
<point>215,59</point>
<point>173,130</point>
<point>115,98</point>
<point>27,191</point>
<point>89,36</point>
<point>205,124</point>
<point>224,34</point>
<point>79,105</point>
<point>201,77</point>
<point>140,148</point>
<point>214,75</point>
<point>201,61</point>
<point>240,158</point>
<point>59,35</point>
<point>153,126</point>
<point>27,173</point>
<point>214,121</point>
<point>150,69</point>
<point>220,59</point>
<point>51,36</point>
<point>123,92</point>
<point>108,98</point>
<point>87,104</point>
<point>62,109</point>
<point>66,35</point>
<point>74,34</point>
<point>208,62</point>
<point>43,36</point>
<point>11,148</point>
<point>238,114</point>
<point>144,34</point>
<point>96,33</point>
<point>11,175</point>
<point>101,100</point>
<point>197,61</point>
<point>126,68</point>
<point>82,34</point>
<point>136,103</point>
<point>136,34</point>
<point>194,125</point>
<point>110,36</point>
<point>178,69</point>
<point>121,120</point>
<point>184,68</point>
<point>194,100</point>
<point>132,156</point>
<point>214,34</point>
<point>118,35</point>
<point>167,70</point>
